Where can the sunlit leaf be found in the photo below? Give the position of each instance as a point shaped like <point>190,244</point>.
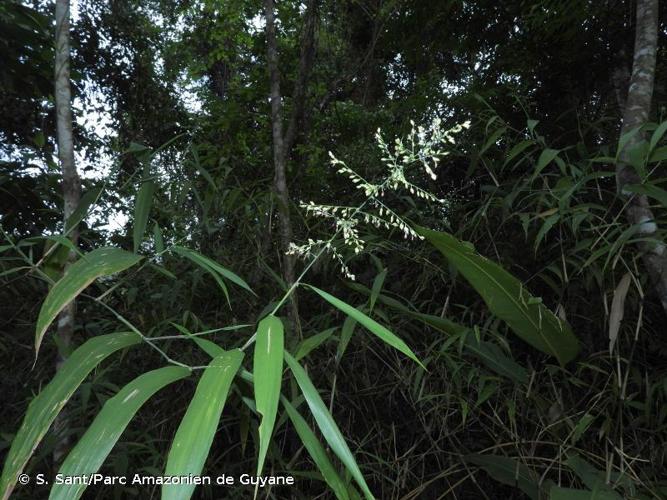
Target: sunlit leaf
<point>93,448</point>
<point>100,262</point>
<point>195,433</point>
<point>268,372</point>
<point>48,403</point>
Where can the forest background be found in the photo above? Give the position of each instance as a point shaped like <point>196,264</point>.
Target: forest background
<point>469,308</point>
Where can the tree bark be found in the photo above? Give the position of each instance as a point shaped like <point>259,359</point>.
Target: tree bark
<point>637,107</point>
<point>283,142</point>
<point>71,183</point>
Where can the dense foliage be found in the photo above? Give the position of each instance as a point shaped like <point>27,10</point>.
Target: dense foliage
<point>471,314</point>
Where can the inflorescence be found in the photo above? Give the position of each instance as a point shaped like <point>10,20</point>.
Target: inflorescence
<point>422,146</point>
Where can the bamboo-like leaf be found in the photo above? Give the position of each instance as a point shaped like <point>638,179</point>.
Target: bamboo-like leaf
<point>377,286</point>
<point>657,135</point>
<point>212,266</point>
<point>346,333</point>
<point>142,208</point>
<point>592,478</point>
<point>546,157</point>
<point>326,423</point>
<point>100,262</point>
<point>618,309</point>
<point>307,345</point>
<point>316,451</point>
<point>79,214</point>
<point>649,190</point>
<point>195,434</point>
<point>48,403</point>
<point>493,357</point>
<point>490,354</point>
<point>507,298</point>
<point>268,371</point>
<point>373,326</point>
<point>93,448</point>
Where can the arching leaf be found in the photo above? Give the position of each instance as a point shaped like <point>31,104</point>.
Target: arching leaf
<point>100,262</point>
<point>195,434</point>
<point>508,299</point>
<point>93,448</point>
<point>48,403</point>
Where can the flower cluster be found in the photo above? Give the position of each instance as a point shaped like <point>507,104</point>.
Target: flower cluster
<point>422,147</point>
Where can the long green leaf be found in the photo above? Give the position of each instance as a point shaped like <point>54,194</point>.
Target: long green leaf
<point>100,262</point>
<point>373,326</point>
<point>212,266</point>
<point>326,423</point>
<point>268,371</point>
<point>592,477</point>
<point>142,208</point>
<point>307,345</point>
<point>546,157</point>
<point>46,406</point>
<point>507,298</point>
<point>317,452</point>
<point>195,433</point>
<point>490,354</point>
<point>93,448</point>
<point>649,190</point>
<point>79,214</point>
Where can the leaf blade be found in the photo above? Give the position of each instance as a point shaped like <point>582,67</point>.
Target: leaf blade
<point>96,444</point>
<point>508,299</point>
<point>326,423</point>
<point>268,371</point>
<point>43,410</point>
<point>142,208</point>
<point>371,325</point>
<point>100,262</point>
<point>316,451</point>
<point>196,431</point>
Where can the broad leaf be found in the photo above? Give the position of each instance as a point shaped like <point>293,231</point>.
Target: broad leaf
<point>326,423</point>
<point>507,298</point>
<point>268,371</point>
<point>195,434</point>
<point>100,262</point>
<point>48,403</point>
<point>373,326</point>
<point>93,448</point>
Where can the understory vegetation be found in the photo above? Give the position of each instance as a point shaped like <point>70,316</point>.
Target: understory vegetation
<point>390,249</point>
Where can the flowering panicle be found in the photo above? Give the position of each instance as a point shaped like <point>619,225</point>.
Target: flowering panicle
<point>422,146</point>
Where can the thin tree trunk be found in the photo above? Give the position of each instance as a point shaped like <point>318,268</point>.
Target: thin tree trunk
<point>637,107</point>
<point>71,183</point>
<point>283,142</point>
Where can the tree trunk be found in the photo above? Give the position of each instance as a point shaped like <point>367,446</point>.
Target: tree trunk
<point>71,183</point>
<point>637,107</point>
<point>283,142</point>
